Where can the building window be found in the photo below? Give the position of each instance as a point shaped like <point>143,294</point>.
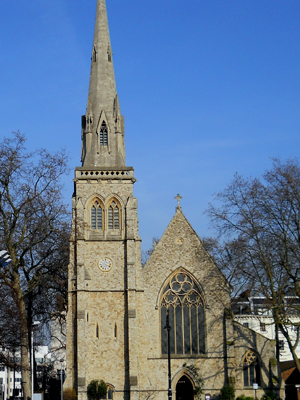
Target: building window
<point>113,216</point>
<point>96,216</point>
<point>281,344</point>
<point>109,393</point>
<point>183,301</point>
<point>251,368</point>
<point>262,327</point>
<point>103,134</point>
<point>246,324</point>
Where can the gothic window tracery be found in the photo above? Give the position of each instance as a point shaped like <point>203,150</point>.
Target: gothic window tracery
<point>251,368</point>
<point>103,134</point>
<point>96,216</point>
<point>183,301</point>
<point>113,216</point>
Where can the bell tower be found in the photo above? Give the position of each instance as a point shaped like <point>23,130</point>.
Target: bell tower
<point>104,270</point>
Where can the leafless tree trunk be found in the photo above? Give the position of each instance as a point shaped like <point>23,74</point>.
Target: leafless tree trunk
<point>258,244</point>
<point>34,229</point>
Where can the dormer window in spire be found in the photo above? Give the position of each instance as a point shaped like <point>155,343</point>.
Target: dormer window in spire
<point>94,54</point>
<point>103,134</point>
<point>109,53</point>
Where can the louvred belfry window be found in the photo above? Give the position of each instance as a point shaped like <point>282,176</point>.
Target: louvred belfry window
<point>103,134</point>
<point>96,216</point>
<point>183,300</point>
<point>113,216</point>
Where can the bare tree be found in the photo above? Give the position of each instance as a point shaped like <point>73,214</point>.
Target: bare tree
<point>34,229</point>
<point>258,221</point>
<point>147,253</point>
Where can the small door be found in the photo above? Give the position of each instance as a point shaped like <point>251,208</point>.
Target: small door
<point>184,389</point>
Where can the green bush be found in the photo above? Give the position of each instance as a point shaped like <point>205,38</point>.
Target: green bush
<point>270,395</point>
<point>227,393</point>
<point>69,394</point>
<point>96,389</point>
<point>243,397</point>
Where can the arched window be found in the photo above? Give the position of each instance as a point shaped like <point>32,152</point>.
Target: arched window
<point>109,393</point>
<point>113,216</point>
<point>96,216</point>
<point>103,134</point>
<point>251,368</point>
<point>183,300</point>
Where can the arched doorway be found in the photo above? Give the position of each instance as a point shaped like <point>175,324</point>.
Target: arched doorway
<point>184,389</point>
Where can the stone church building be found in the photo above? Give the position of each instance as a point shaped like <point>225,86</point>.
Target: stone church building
<point>117,307</point>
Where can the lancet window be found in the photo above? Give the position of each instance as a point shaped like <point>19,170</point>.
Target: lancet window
<point>109,393</point>
<point>113,216</point>
<point>183,302</point>
<point>103,134</point>
<point>251,368</point>
<point>96,216</point>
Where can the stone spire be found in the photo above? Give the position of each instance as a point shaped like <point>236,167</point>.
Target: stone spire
<point>102,126</point>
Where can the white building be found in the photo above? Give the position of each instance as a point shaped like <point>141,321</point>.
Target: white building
<point>58,343</point>
<point>12,379</point>
<point>254,313</point>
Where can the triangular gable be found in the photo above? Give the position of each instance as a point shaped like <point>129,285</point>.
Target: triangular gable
<point>181,247</point>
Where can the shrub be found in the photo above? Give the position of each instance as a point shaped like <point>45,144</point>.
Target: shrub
<point>270,395</point>
<point>96,389</point>
<point>69,394</point>
<point>243,397</point>
<point>227,393</point>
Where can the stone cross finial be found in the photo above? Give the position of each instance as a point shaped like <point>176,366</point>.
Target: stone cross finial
<point>178,198</point>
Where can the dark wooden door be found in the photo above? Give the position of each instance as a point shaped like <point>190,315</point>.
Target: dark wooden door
<point>184,389</point>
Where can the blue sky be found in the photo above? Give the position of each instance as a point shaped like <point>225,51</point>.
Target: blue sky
<point>207,87</point>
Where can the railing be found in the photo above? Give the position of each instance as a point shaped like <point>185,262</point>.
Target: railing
<point>126,173</point>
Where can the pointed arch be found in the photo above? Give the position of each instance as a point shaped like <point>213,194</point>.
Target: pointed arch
<point>103,131</point>
<point>251,368</point>
<point>184,388</point>
<point>183,301</point>
<point>166,282</point>
<point>96,213</point>
<point>114,213</point>
<point>110,392</point>
<point>103,134</point>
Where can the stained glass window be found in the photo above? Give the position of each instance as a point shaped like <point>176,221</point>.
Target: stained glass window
<point>183,301</point>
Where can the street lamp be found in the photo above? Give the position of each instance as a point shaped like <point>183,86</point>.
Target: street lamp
<point>61,379</point>
<point>4,258</point>
<point>168,328</point>
<point>32,358</point>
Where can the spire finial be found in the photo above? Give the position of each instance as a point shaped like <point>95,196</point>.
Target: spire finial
<point>178,198</point>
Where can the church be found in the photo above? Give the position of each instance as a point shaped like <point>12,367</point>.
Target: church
<point>122,315</point>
